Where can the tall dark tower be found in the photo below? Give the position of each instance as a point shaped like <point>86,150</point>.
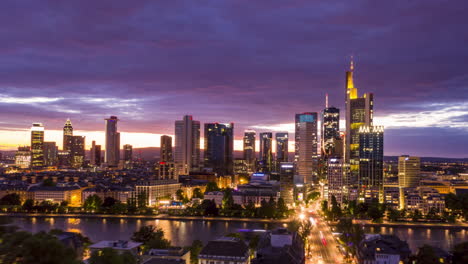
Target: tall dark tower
<point>282,141</point>
<point>219,147</point>
<point>330,129</point>
<point>112,153</point>
<point>266,151</point>
<point>165,150</point>
<point>249,149</point>
<point>371,161</point>
<point>67,134</point>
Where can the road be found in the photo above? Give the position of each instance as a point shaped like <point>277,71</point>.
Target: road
<point>323,247</point>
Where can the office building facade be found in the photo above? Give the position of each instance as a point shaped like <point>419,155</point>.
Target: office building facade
<point>371,159</point>
<point>282,141</point>
<point>306,156</point>
<point>112,152</point>
<point>219,147</point>
<point>187,145</point>
<point>287,181</point>
<point>165,150</point>
<point>37,145</point>
<point>249,150</point>
<point>50,154</point>
<point>95,154</point>
<point>266,152</point>
<point>330,131</point>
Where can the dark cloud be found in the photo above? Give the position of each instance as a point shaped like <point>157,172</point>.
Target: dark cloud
<point>251,62</point>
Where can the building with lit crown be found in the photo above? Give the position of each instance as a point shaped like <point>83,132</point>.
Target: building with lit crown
<point>371,155</point>
<point>37,145</point>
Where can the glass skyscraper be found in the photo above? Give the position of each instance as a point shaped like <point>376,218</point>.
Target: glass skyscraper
<point>112,153</point>
<point>266,152</point>
<point>37,145</point>
<point>249,149</point>
<point>371,161</point>
<point>219,147</point>
<point>187,145</point>
<point>305,156</point>
<point>282,141</point>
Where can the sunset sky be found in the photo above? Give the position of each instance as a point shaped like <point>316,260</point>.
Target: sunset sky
<point>254,63</point>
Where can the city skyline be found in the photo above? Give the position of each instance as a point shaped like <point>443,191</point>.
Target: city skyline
<point>218,69</point>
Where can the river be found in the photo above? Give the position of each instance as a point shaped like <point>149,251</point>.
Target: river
<point>182,233</point>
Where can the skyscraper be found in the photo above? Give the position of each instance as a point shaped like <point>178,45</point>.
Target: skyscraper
<point>50,154</point>
<point>187,144</point>
<point>330,130</point>
<point>282,140</point>
<point>266,152</point>
<point>219,146</point>
<point>287,181</point>
<point>249,149</point>
<point>371,161</point>
<point>95,154</point>
<point>359,112</point>
<point>306,156</point>
<point>112,153</point>
<point>37,145</point>
<point>77,151</point>
<point>67,133</point>
<point>337,171</point>
<point>128,155</point>
<point>408,171</point>
<point>165,150</point>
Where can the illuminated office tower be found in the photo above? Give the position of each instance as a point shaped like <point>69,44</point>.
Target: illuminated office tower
<point>249,149</point>
<point>77,151</point>
<point>128,156</point>
<point>187,145</point>
<point>337,174</point>
<point>282,140</point>
<point>37,145</point>
<point>371,154</point>
<point>287,181</point>
<point>330,130</point>
<point>408,175</point>
<point>112,153</point>
<point>219,146</point>
<point>50,154</point>
<point>23,157</point>
<point>95,154</point>
<point>165,149</point>
<point>359,112</point>
<point>266,152</point>
<point>67,134</point>
<point>306,157</point>
<point>408,171</point>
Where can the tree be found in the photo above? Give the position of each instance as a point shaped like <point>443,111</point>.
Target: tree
<point>180,195</point>
<point>312,196</point>
<point>374,211</point>
<point>209,208</point>
<point>109,202</point>
<point>281,208</point>
<point>151,236</point>
<point>111,256</point>
<point>392,214</point>
<point>142,200</point>
<point>93,203</point>
<point>197,193</point>
<point>211,187</point>
<point>426,255</point>
<point>10,199</point>
<point>228,201</point>
<point>416,215</point>
<point>195,249</point>
<point>460,253</point>
<point>335,209</point>
<point>432,214</point>
<point>40,248</point>
<point>28,205</point>
<point>351,234</point>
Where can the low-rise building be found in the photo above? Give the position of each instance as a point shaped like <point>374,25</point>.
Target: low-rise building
<point>380,249</point>
<point>120,246</point>
<point>55,194</point>
<point>173,253</point>
<point>225,250</point>
<point>280,246</point>
<point>156,190</point>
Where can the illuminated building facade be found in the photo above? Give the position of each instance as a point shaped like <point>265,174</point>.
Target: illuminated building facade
<point>23,157</point>
<point>408,175</point>
<point>287,181</point>
<point>306,156</point>
<point>77,151</point>
<point>219,147</point>
<point>337,175</point>
<point>371,161</point>
<point>67,134</point>
<point>167,171</point>
<point>330,130</point>
<point>249,149</point>
<point>95,154</point>
<point>156,190</point>
<point>266,152</point>
<point>165,150</point>
<point>187,144</point>
<point>112,152</point>
<point>37,145</point>
<point>50,154</point>
<point>359,112</point>
<point>128,155</point>
<point>282,141</point>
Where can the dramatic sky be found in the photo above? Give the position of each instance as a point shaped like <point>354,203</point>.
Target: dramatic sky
<point>252,62</point>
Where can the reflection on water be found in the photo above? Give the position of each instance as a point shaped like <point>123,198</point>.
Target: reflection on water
<point>180,233</point>
<point>416,237</point>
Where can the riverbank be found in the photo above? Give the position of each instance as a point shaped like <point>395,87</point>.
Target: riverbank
<point>415,225</point>
<point>150,217</point>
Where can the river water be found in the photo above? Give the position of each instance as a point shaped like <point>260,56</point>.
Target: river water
<point>182,233</point>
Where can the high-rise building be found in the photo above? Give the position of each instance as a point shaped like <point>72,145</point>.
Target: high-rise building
<point>50,154</point>
<point>128,155</point>
<point>37,145</point>
<point>67,133</point>
<point>371,160</point>
<point>95,154</point>
<point>282,141</point>
<point>306,156</point>
<point>165,149</point>
<point>112,153</point>
<point>23,157</point>
<point>330,130</point>
<point>359,112</point>
<point>337,174</point>
<point>187,145</point>
<point>266,152</point>
<point>408,171</point>
<point>219,146</point>
<point>249,150</point>
<point>287,182</point>
<point>77,151</point>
